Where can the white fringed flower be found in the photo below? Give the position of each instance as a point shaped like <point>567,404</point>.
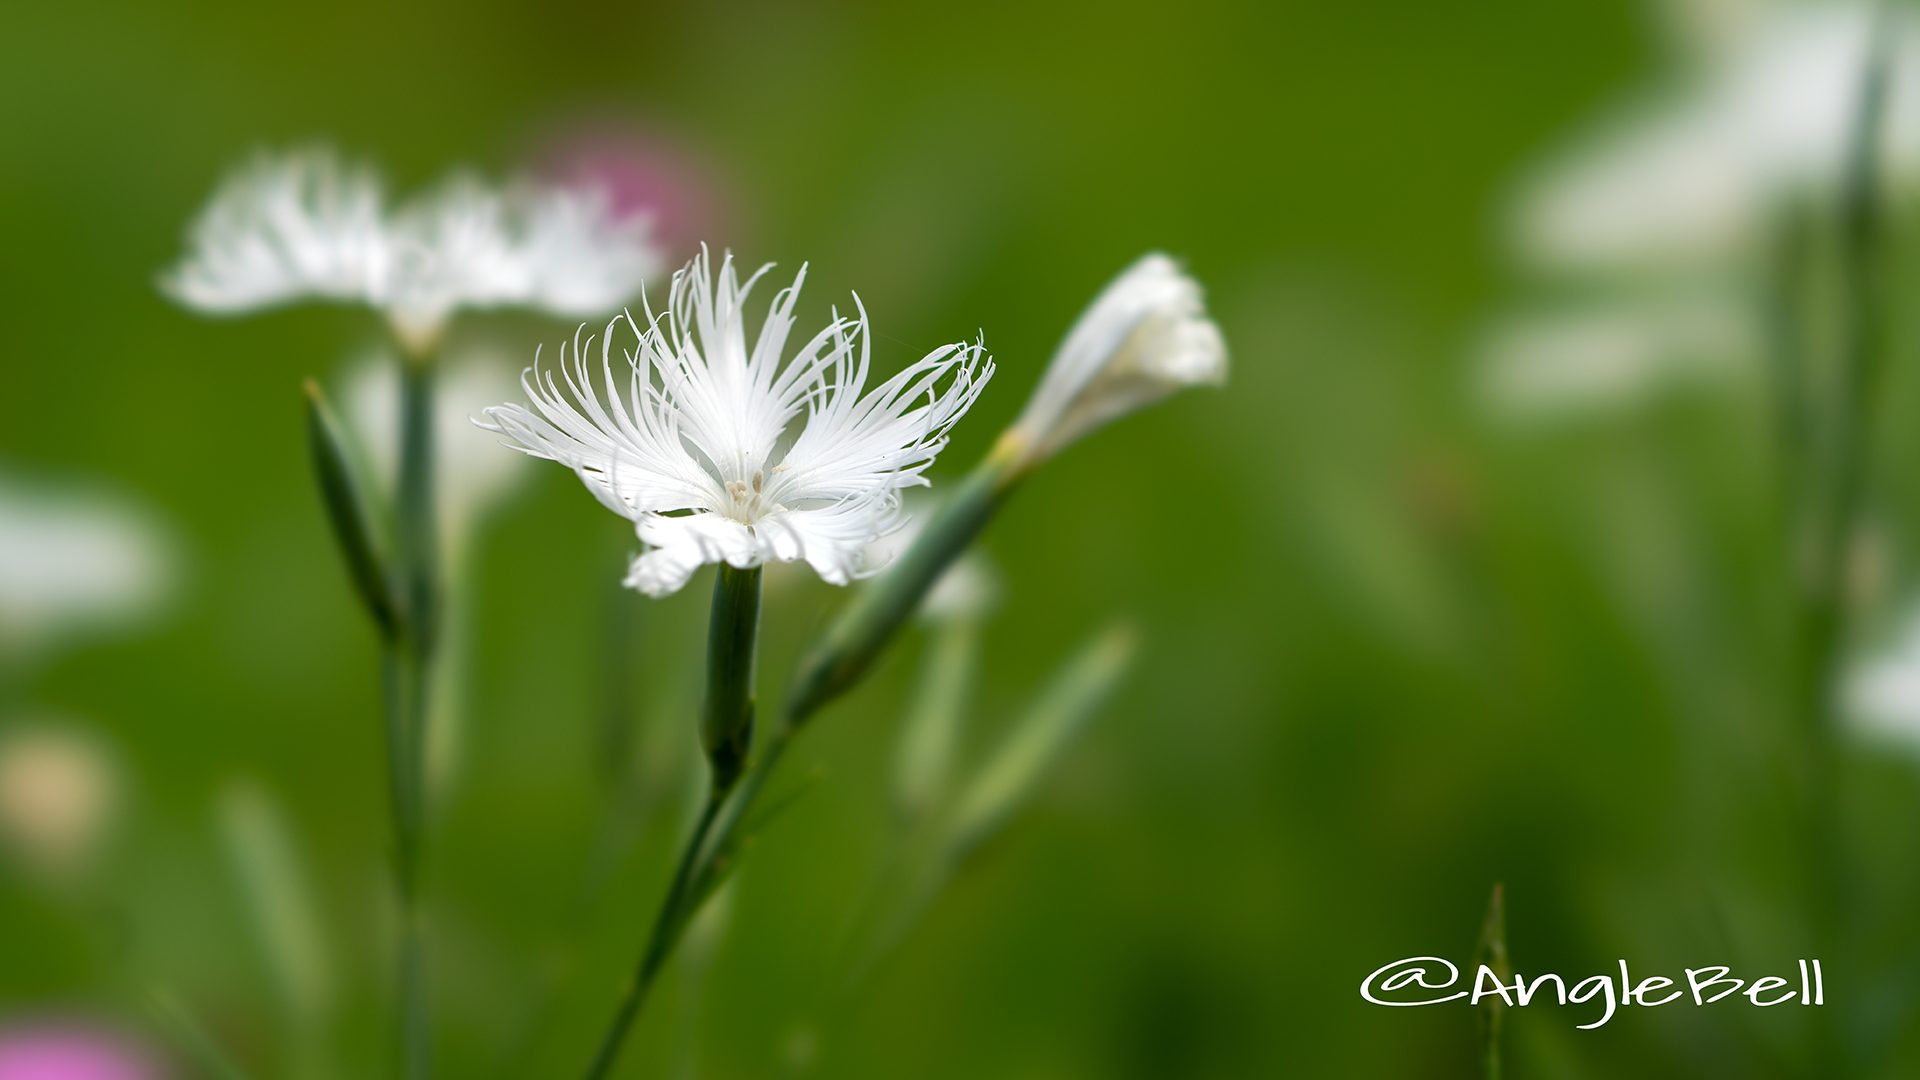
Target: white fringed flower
<point>310,226</point>
<point>694,439</point>
<point>1146,336</point>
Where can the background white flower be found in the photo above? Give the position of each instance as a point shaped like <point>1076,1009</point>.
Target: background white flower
<point>1558,362</point>
<point>73,560</point>
<point>1659,219</point>
<point>1883,691</point>
<point>1697,170</point>
<point>1144,337</point>
<point>307,225</point>
<point>721,448</point>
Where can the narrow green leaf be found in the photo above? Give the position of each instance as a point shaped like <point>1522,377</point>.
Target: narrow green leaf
<point>344,492</point>
<point>1038,737</point>
<point>267,863</point>
<point>192,1037</point>
<point>924,759</point>
<point>1492,953</point>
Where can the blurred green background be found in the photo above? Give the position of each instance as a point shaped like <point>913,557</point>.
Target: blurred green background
<point>1392,652</point>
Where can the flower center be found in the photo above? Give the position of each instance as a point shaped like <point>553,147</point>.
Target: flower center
<point>749,500</point>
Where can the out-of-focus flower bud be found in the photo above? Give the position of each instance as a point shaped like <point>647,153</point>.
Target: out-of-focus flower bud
<point>57,795</point>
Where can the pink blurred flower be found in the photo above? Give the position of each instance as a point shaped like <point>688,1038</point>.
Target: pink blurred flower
<point>644,174</point>
<point>70,1053</point>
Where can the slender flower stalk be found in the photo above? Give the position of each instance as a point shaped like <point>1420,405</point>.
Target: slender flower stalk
<point>408,667</point>
<point>1852,418</point>
<point>726,722</point>
<point>1839,481</point>
<point>310,226</point>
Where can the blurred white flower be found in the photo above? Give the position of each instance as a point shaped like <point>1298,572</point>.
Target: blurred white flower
<point>73,561</point>
<point>57,794</point>
<point>1882,691</point>
<point>308,225</point>
<point>1550,364</point>
<point>1146,336</point>
<point>692,441</point>
<point>472,476</point>
<point>1661,212</point>
<point>1695,172</point>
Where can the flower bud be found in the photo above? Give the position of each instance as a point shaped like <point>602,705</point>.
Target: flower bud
<point>1146,336</point>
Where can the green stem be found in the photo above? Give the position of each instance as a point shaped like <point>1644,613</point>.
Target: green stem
<point>1492,953</point>
<point>408,664</point>
<point>1826,608</point>
<point>726,730</point>
<point>675,912</point>
<point>733,632</point>
<point>871,620</point>
<point>845,654</point>
<point>1860,354</point>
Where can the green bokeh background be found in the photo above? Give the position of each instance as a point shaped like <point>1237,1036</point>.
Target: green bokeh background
<point>1390,656</point>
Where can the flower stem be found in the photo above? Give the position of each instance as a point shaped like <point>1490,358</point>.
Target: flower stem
<point>675,912</point>
<point>407,663</point>
<point>870,621</point>
<point>726,730</point>
<point>1492,953</point>
<point>845,654</point>
<point>1826,608</point>
<point>733,632</point>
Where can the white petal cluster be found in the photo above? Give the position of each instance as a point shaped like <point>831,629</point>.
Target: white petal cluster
<point>1146,336</point>
<point>309,226</point>
<point>723,446</point>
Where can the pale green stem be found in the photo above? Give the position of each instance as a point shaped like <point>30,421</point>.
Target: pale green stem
<point>845,654</point>
<point>726,729</point>
<point>1492,952</point>
<point>407,664</point>
<point>864,629</point>
<point>733,633</point>
<point>1827,609</point>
